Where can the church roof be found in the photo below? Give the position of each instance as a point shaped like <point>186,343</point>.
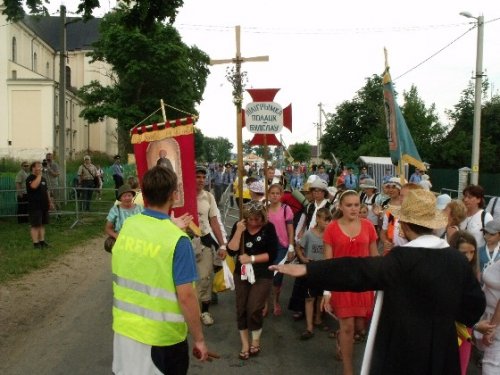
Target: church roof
<point>80,35</point>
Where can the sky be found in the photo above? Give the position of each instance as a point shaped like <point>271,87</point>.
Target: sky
<point>322,51</point>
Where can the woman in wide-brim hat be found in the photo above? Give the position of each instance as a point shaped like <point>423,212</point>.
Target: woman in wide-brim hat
<point>427,287</point>
<point>122,210</point>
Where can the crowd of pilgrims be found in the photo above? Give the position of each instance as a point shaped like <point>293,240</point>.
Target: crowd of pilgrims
<point>305,218</point>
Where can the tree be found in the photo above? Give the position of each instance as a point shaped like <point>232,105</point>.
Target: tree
<point>217,149</point>
<point>456,147</point>
<point>141,13</point>
<point>358,127</point>
<point>426,130</point>
<point>247,148</point>
<point>300,151</point>
<point>147,66</point>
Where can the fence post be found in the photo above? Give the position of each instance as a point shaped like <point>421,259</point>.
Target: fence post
<point>463,180</point>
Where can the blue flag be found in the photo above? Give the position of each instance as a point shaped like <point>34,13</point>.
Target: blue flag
<point>401,145</point>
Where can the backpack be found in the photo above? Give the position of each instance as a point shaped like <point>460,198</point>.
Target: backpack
<point>492,205</point>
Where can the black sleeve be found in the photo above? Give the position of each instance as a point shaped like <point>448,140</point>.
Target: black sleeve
<point>352,274</point>
<point>473,300</point>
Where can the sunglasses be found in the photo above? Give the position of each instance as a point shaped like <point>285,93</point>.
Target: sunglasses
<point>25,165</point>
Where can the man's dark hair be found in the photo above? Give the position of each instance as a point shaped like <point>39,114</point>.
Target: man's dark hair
<point>158,185</point>
<point>419,229</point>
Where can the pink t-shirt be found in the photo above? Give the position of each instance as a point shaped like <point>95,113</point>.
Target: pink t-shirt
<point>280,218</point>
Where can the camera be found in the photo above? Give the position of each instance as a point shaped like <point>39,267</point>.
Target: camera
<point>44,163</point>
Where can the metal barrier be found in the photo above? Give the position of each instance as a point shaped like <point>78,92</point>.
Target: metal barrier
<point>71,201</point>
<point>228,213</point>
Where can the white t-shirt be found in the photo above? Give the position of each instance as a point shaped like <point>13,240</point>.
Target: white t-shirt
<point>474,226</point>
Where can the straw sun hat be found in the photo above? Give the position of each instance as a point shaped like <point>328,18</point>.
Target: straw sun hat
<point>419,207</point>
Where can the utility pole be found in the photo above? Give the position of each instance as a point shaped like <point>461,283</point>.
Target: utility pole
<point>478,91</point>
<point>320,129</point>
<point>476,132</point>
<point>62,100</point>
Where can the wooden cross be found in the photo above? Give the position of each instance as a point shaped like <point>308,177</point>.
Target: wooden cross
<point>238,98</point>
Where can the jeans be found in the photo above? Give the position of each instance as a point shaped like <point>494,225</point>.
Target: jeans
<point>88,188</point>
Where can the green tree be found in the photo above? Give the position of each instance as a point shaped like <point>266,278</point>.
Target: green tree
<point>300,151</point>
<point>142,13</point>
<point>147,66</point>
<point>426,130</point>
<point>217,149</point>
<point>358,127</point>
<point>199,145</point>
<point>456,147</point>
<point>247,148</point>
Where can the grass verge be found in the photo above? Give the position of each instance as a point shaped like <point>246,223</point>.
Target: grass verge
<point>17,255</point>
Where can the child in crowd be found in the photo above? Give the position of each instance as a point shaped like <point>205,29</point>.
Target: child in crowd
<point>281,216</point>
<point>310,249</point>
<point>465,242</point>
<point>489,253</point>
<point>363,211</point>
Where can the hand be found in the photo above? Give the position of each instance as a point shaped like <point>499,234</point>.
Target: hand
<point>325,305</point>
<point>295,270</point>
<point>488,339</point>
<point>241,225</point>
<point>387,245</point>
<point>485,327</point>
<point>200,350</point>
<point>221,253</point>
<point>182,221</point>
<point>290,256</point>
<point>245,259</point>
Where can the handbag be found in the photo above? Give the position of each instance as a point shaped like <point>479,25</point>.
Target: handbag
<point>223,279</point>
<point>109,243</point>
<point>97,181</point>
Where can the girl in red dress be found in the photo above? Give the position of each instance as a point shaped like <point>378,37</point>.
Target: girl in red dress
<point>349,236</point>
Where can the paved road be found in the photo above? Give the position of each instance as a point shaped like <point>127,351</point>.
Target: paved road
<point>75,336</point>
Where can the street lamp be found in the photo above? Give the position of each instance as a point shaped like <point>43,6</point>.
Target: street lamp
<point>476,130</point>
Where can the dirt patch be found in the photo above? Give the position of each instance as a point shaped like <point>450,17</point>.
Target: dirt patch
<point>26,301</point>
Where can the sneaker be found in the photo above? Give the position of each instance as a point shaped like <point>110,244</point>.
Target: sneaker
<point>43,244</point>
<point>37,245</point>
<point>206,319</point>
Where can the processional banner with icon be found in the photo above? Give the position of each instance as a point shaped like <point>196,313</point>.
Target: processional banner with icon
<point>171,144</point>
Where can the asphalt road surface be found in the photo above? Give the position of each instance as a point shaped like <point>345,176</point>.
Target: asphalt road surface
<point>57,321</point>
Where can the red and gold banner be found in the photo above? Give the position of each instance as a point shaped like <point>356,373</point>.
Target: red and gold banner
<point>173,140</point>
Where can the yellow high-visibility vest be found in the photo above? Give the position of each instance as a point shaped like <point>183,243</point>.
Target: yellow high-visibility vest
<point>145,305</point>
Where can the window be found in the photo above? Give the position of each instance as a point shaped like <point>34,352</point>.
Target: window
<point>68,77</point>
<point>35,62</point>
<point>14,74</point>
<point>14,49</point>
<point>47,69</point>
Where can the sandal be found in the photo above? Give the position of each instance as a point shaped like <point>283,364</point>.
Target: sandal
<point>359,337</point>
<point>333,334</point>
<point>254,351</point>
<point>306,335</point>
<point>244,356</point>
<point>298,315</point>
<point>322,326</point>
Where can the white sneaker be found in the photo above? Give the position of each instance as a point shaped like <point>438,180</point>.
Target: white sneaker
<point>206,319</point>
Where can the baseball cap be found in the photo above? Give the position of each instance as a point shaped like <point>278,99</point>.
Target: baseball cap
<point>201,169</point>
<point>492,227</point>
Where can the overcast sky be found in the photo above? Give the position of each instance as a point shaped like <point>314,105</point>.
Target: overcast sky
<point>322,51</point>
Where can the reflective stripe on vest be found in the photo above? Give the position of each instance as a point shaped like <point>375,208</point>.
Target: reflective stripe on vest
<point>145,306</point>
<point>146,313</point>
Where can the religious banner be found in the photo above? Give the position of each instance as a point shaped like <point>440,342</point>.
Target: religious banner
<point>170,144</point>
<point>266,118</point>
<point>401,145</point>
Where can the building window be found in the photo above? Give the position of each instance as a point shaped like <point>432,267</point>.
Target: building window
<point>35,62</point>
<point>68,77</point>
<point>14,49</point>
<point>14,74</point>
<point>47,70</point>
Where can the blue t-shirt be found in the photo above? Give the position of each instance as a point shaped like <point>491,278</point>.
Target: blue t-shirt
<point>484,259</point>
<point>184,260</point>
